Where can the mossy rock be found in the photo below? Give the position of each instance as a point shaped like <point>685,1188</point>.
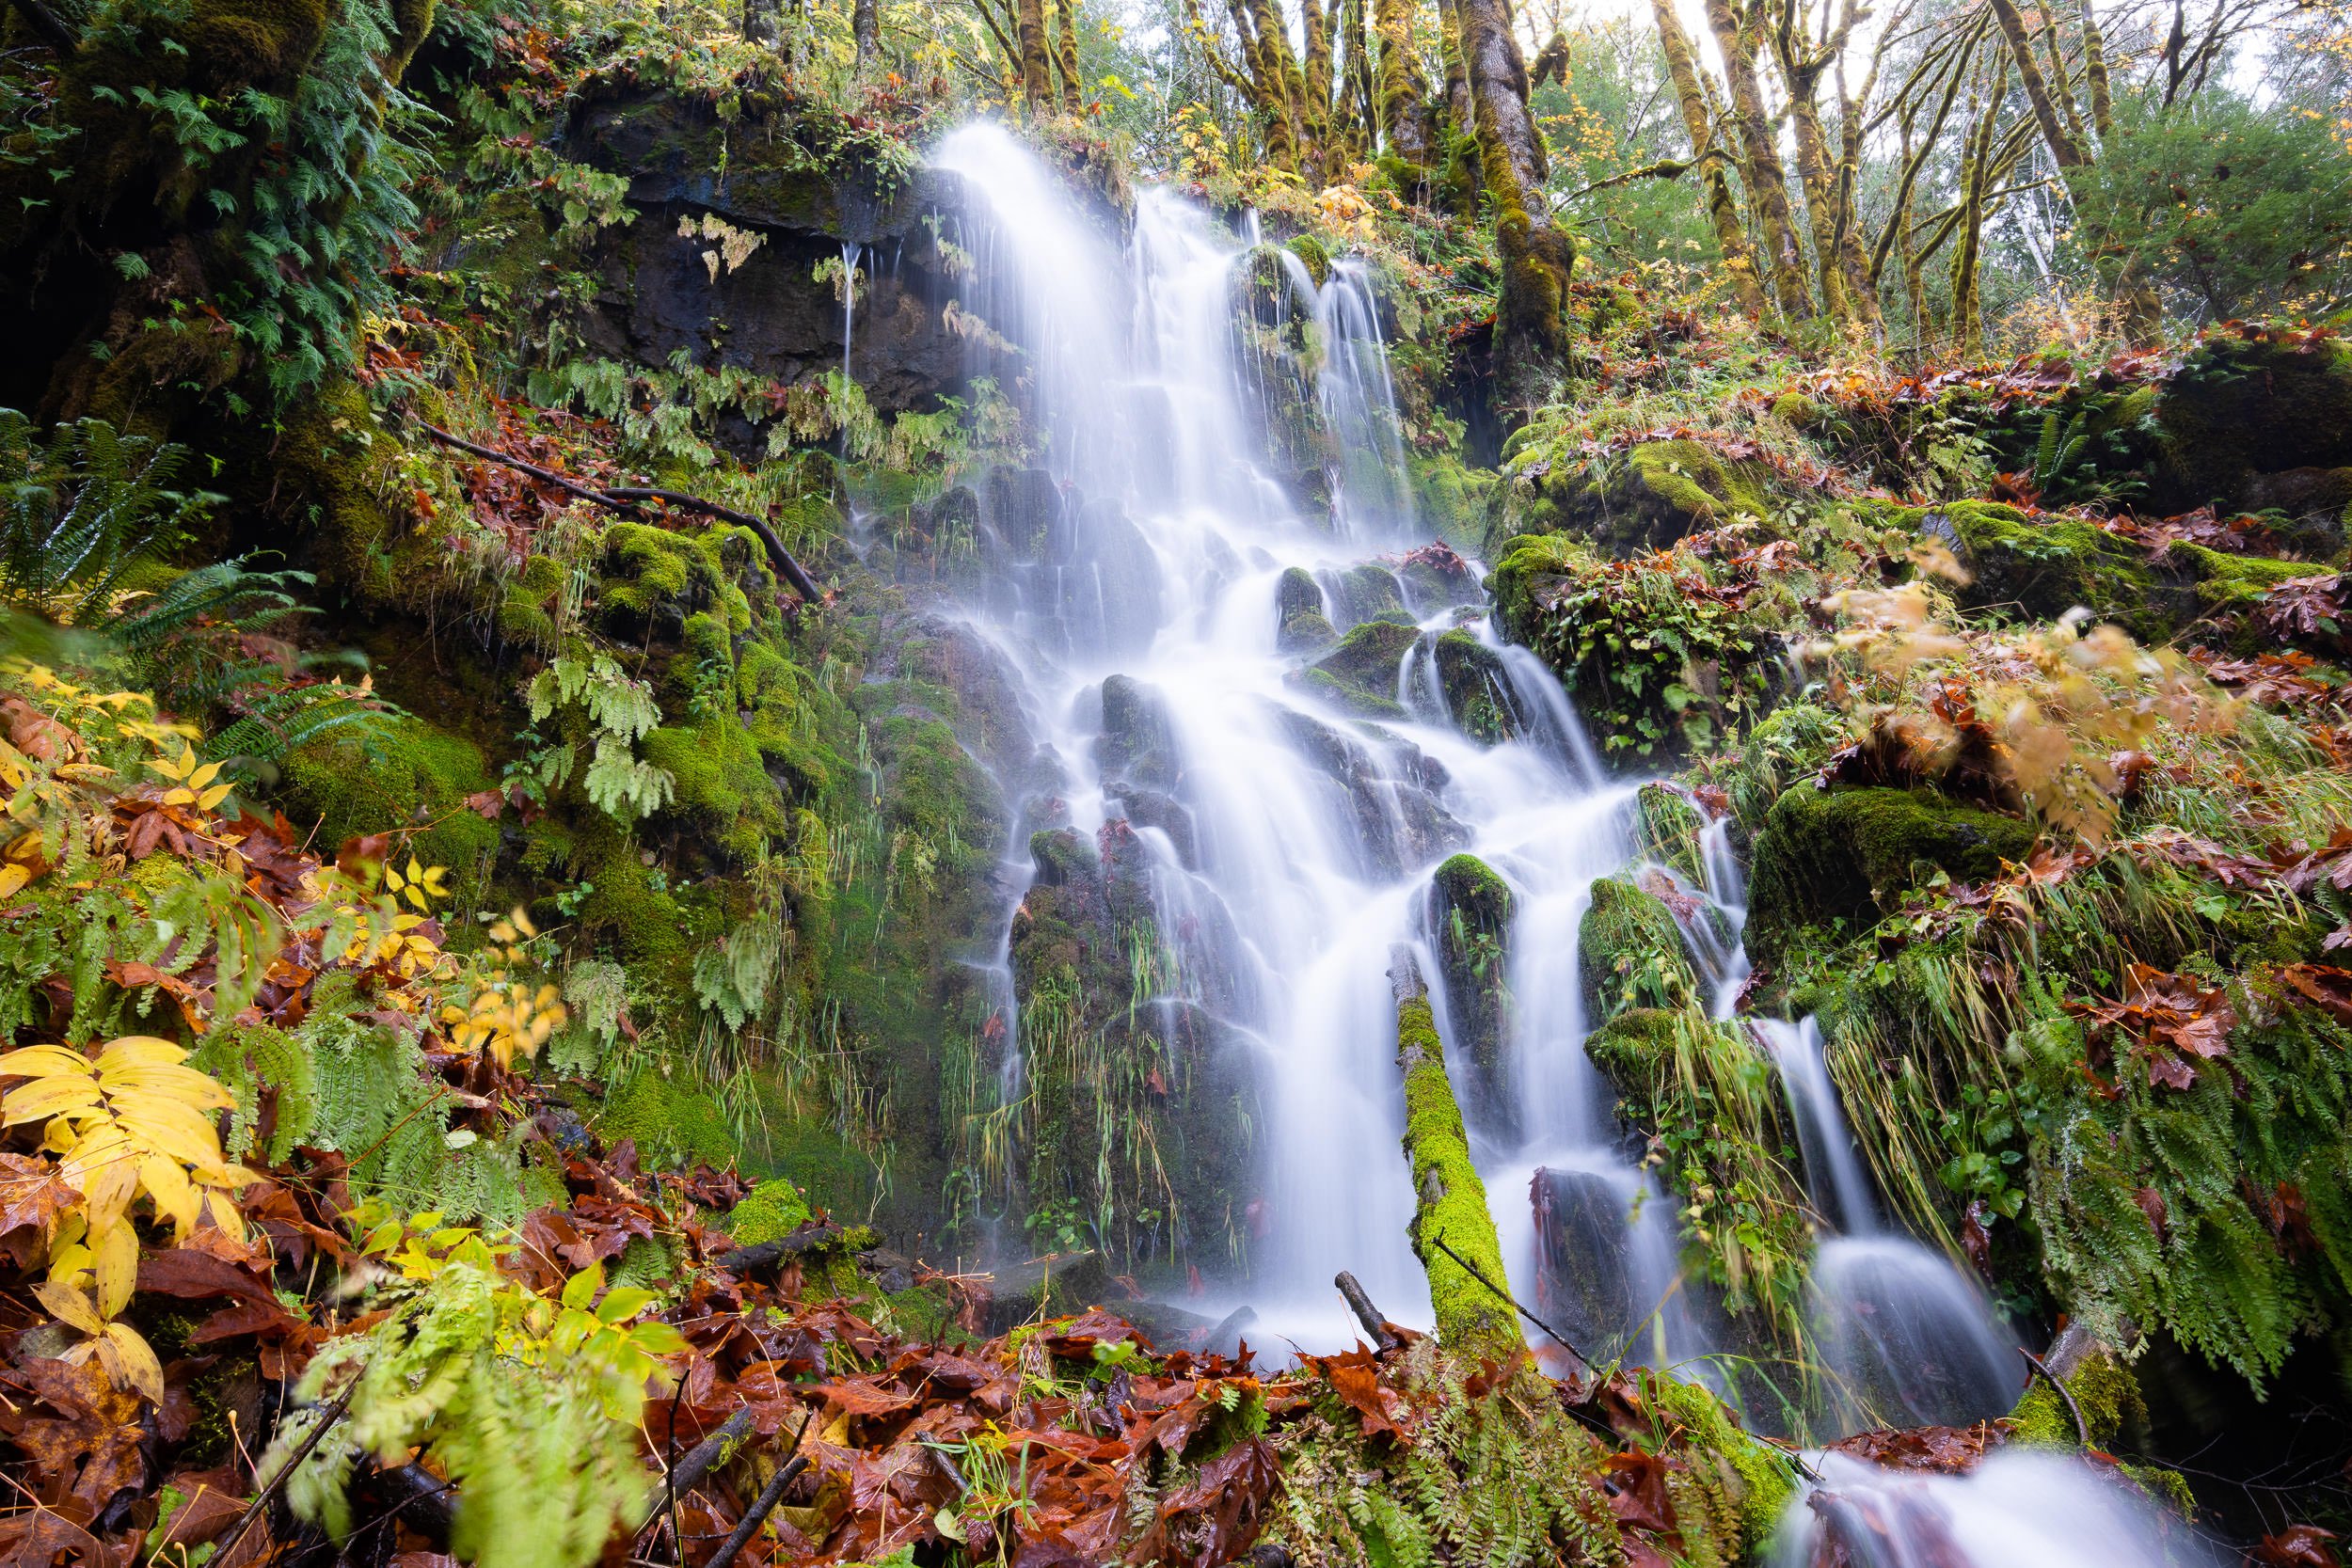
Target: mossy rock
<point>2106,1393</point>
<point>1470,909</point>
<point>1312,256</point>
<point>1296,593</point>
<point>1657,493</point>
<point>1628,1049</point>
<point>1848,855</point>
<point>2041,568</point>
<point>774,1209</point>
<point>1527,581</point>
<point>1761,1480</point>
<point>1366,592</point>
<point>1139,742</point>
<point>400,776</point>
<point>1471,677</point>
<point>1360,674</point>
<point>1630,954</point>
<point>723,793</point>
<point>1307,632</point>
<point>2248,404</point>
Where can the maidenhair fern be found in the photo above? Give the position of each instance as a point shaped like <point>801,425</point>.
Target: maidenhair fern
<point>732,978</point>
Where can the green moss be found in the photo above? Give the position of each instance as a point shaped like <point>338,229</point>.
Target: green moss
<point>1796,410</point>
<point>1629,1048</point>
<point>401,777</point>
<point>774,1209</point>
<point>1452,1201</point>
<point>1311,254</point>
<point>1470,909</point>
<point>1655,494</point>
<point>1359,674</point>
<point>1767,1479</point>
<point>527,610</point>
<point>722,787</point>
<point>1471,675</point>
<point>2103,1390</point>
<point>1527,579</point>
<point>1848,854</point>
<point>1631,953</point>
<point>2234,581</point>
<point>1307,632</point>
<point>2248,404</point>
<point>2041,568</point>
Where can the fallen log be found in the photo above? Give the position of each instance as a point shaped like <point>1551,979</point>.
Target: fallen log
<point>765,1255</point>
<point>629,501</point>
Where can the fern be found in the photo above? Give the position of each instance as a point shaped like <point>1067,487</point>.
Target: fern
<point>732,978</point>
<point>618,712</point>
<point>81,513</point>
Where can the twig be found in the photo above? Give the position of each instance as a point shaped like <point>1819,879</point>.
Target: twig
<point>1475,1273</point>
<point>294,1461</point>
<point>628,498</point>
<point>1360,1303</point>
<point>705,1455</point>
<point>766,1502</point>
<point>2082,1431</point>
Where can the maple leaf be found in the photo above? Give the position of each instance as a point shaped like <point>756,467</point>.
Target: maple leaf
<point>2328,988</point>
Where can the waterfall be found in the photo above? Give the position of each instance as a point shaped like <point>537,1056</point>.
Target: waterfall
<point>2014,1508</point>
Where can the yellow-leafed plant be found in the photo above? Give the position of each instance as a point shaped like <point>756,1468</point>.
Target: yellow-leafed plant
<point>131,1122</point>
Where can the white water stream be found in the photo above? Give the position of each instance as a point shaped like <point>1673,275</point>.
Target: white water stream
<point>1293,846</point>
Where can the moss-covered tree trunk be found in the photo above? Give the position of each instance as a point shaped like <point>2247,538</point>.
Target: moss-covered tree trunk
<point>1403,94</point>
<point>865,29</point>
<point>1449,1199</point>
<point>1531,321</point>
<point>1315,94</point>
<point>1066,54</point>
<point>1722,210</point>
<point>1759,162</point>
<point>1037,54</point>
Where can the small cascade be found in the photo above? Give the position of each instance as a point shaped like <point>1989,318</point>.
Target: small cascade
<point>852,252</point>
<point>1370,499</point>
<point>2017,1507</point>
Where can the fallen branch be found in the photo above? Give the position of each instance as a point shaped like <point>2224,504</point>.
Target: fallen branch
<point>2082,1431</point>
<point>294,1461</point>
<point>1360,1303</point>
<point>765,1503</point>
<point>761,1255</point>
<point>628,500</point>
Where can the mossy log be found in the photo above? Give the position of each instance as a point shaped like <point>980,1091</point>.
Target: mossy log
<point>1449,1199</point>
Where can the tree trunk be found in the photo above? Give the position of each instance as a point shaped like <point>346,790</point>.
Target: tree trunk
<point>865,29</point>
<point>1459,113</point>
<point>1759,162</point>
<point>2095,73</point>
<point>1450,1201</point>
<point>1315,100</point>
<point>1065,54</point>
<point>1404,95</point>
<point>1036,58</point>
<point>1817,173</point>
<point>1360,119</point>
<point>2063,147</point>
<point>1531,321</point>
<point>1730,238</point>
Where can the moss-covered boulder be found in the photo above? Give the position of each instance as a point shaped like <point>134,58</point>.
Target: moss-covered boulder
<point>1629,953</point>
<point>1139,742</point>
<point>1826,857</point>
<point>1651,495</point>
<point>1296,593</point>
<point>405,778</point>
<point>1365,592</point>
<point>1476,691</point>
<point>773,1209</point>
<point>1469,917</point>
<point>1629,1047</point>
<point>2253,403</point>
<point>1360,675</point>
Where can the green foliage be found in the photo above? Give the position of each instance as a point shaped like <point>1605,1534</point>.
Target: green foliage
<point>618,711</point>
<point>2235,207</point>
<point>1500,1480</point>
<point>548,1465</point>
<point>80,515</point>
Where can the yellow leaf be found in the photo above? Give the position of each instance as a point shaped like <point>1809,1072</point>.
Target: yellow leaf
<point>12,877</point>
<point>39,1061</point>
<point>167,1184</point>
<point>69,1307</point>
<point>139,1051</point>
<point>118,1249</point>
<point>141,1369</point>
<point>210,798</point>
<point>46,1098</point>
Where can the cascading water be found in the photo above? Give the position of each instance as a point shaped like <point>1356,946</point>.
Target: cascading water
<point>1289,847</point>
<point>2015,1509</point>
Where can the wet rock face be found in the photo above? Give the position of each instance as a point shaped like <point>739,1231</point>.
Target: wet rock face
<point>1469,921</point>
<point>1391,788</point>
<point>770,314</point>
<point>1583,1270</point>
